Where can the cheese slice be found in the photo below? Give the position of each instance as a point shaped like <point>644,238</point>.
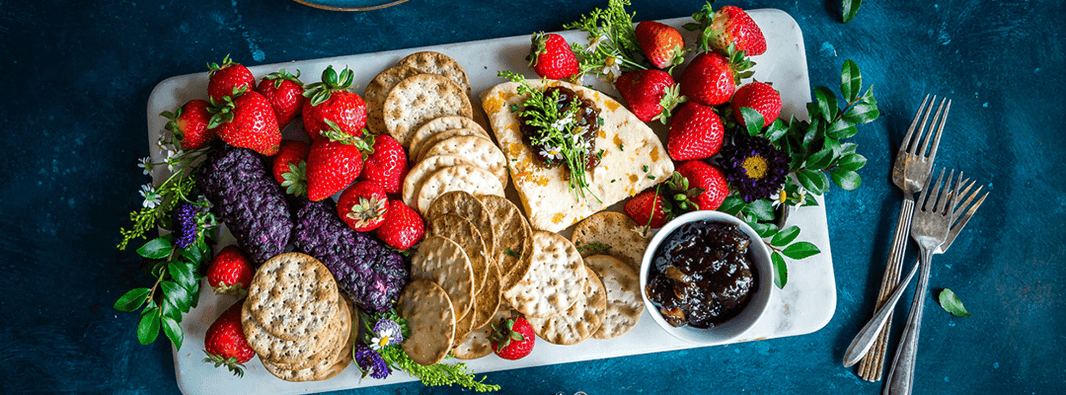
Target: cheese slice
<point>633,158</point>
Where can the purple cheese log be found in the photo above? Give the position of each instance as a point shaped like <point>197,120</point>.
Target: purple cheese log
<point>247,199</point>
<point>369,272</point>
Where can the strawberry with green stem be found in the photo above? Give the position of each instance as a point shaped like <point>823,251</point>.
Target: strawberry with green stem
<point>403,227</point>
<point>225,344</point>
<point>230,272</point>
<point>228,79</point>
<point>189,124</point>
<point>285,92</point>
<point>696,132</point>
<point>727,29</point>
<point>551,57</point>
<point>332,109</point>
<point>512,338</point>
<point>649,94</point>
<point>363,206</point>
<point>290,167</point>
<point>661,44</point>
<point>386,164</point>
<point>247,121</point>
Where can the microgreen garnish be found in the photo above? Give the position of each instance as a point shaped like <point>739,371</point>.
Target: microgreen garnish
<point>511,253</point>
<point>613,47</point>
<point>555,128</point>
<point>597,247</point>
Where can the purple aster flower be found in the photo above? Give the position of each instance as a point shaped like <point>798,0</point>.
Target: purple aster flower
<point>370,362</point>
<point>386,333</point>
<point>754,167</point>
<point>185,224</point>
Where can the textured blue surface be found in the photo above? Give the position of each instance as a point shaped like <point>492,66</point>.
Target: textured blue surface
<point>78,75</point>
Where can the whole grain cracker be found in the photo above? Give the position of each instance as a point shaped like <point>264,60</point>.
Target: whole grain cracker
<point>438,63</point>
<point>378,89</point>
<point>487,301</point>
<point>578,322</point>
<point>339,358</point>
<point>293,296</point>
<point>472,179</point>
<point>444,262</point>
<point>430,130</point>
<point>429,314</point>
<point>625,303</point>
<point>420,148</point>
<point>279,351</point>
<point>419,99</point>
<point>514,238</point>
<point>419,172</point>
<point>478,150</point>
<point>613,230</point>
<point>555,280</point>
<point>460,230</point>
<point>477,344</point>
<point>470,207</point>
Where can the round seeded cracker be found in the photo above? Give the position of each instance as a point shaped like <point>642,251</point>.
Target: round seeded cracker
<point>578,322</point>
<point>477,344</point>
<point>428,311</point>
<point>419,149</point>
<point>514,238</point>
<point>419,99</point>
<point>378,90</point>
<point>279,351</point>
<point>339,357</point>
<point>625,303</point>
<point>467,206</point>
<point>441,124</point>
<point>555,280</point>
<point>438,63</point>
<point>293,296</point>
<point>472,179</point>
<point>460,230</point>
<point>612,233</point>
<point>420,172</point>
<point>476,149</point>
<point>444,262</point>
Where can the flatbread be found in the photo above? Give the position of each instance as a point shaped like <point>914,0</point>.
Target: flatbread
<point>428,311</point>
<point>625,301</point>
<point>419,99</point>
<point>613,230</point>
<point>418,174</point>
<point>472,179</point>
<point>628,146</point>
<point>578,322</point>
<point>555,280</point>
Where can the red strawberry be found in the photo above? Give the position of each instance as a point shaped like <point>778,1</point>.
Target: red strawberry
<point>551,57</point>
<point>696,132</point>
<point>649,94</point>
<point>512,338</point>
<point>760,97</point>
<point>732,26</point>
<point>707,178</point>
<point>363,206</point>
<point>189,124</point>
<point>225,343</point>
<point>709,79</point>
<point>227,79</point>
<point>230,272</point>
<point>332,110</point>
<point>661,44</point>
<point>387,165</point>
<point>247,121</point>
<point>285,93</point>
<point>403,227</point>
<point>331,166</point>
<point>290,166</point>
<point>648,208</point>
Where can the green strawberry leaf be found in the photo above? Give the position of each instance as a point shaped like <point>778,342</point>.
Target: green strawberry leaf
<point>132,300</point>
<point>157,248</point>
<point>951,303</point>
<point>753,121</point>
<point>780,270</point>
<point>801,250</point>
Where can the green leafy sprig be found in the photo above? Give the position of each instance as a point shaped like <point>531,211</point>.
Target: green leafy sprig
<point>161,199</point>
<point>613,46</point>
<point>544,113</point>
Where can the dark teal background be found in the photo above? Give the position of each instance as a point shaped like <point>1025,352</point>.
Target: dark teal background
<point>76,76</point>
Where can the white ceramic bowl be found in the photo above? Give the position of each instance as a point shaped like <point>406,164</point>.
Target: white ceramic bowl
<point>739,324</point>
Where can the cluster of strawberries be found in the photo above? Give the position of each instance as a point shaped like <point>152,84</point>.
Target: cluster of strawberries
<point>341,157</point>
<point>708,87</point>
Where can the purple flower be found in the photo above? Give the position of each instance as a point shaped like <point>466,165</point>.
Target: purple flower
<point>370,362</point>
<point>386,333</point>
<point>754,167</point>
<point>185,224</point>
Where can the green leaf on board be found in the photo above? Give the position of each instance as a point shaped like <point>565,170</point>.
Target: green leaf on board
<point>785,236</point>
<point>801,250</point>
<point>173,331</point>
<point>850,81</point>
<point>753,121</point>
<point>148,327</point>
<point>780,270</point>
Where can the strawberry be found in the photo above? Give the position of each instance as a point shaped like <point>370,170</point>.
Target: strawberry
<point>730,26</point>
<point>551,57</point>
<point>662,45</point>
<point>247,121</point>
<point>705,178</point>
<point>189,124</point>
<point>512,338</point>
<point>403,227</point>
<point>696,132</point>
<point>387,165</point>
<point>225,343</point>
<point>331,166</point>
<point>363,206</point>
<point>760,97</point>
<point>649,94</point>
<point>230,272</point>
<point>709,79</point>
<point>285,93</point>
<point>649,208</point>
<point>290,166</point>
<point>332,110</point>
<point>228,79</point>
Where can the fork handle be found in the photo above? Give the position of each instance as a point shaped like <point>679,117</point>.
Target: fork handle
<point>865,339</point>
<point>872,364</point>
<point>900,378</point>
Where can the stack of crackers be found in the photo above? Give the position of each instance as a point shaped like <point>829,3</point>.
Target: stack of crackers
<point>296,320</point>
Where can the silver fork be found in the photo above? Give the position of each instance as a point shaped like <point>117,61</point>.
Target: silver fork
<point>910,172</point>
<point>930,227</point>
<point>959,217</point>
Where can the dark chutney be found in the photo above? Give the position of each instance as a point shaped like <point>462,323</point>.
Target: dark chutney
<point>586,124</point>
<point>701,275</point>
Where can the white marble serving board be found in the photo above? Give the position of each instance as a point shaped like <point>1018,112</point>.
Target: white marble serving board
<point>805,305</point>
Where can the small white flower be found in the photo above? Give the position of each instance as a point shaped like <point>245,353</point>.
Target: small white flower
<point>778,198</point>
<point>173,158</point>
<point>382,339</point>
<point>146,164</point>
<point>612,69</point>
<point>595,43</point>
<point>561,124</point>
<point>151,197</point>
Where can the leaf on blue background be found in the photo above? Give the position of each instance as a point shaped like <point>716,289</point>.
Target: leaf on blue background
<point>132,300</point>
<point>177,295</point>
<point>821,159</point>
<point>780,270</point>
<point>862,113</point>
<point>814,181</point>
<point>841,129</point>
<point>851,162</point>
<point>148,327</point>
<point>846,179</point>
<point>952,304</point>
<point>850,81</point>
<point>827,102</point>
<point>173,331</point>
<point>849,9</point>
<point>157,248</point>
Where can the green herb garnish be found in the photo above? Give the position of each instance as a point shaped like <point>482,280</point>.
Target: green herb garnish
<point>597,247</point>
<point>511,253</point>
